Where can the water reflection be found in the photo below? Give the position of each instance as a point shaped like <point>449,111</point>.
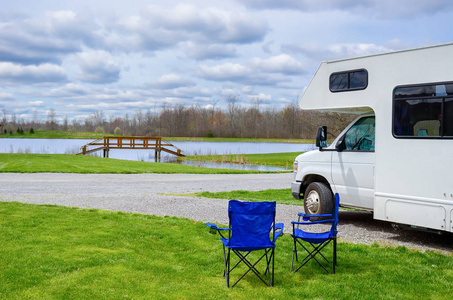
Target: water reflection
<point>231,166</point>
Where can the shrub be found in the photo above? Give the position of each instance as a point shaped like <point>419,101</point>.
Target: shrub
<point>118,131</point>
<point>31,130</point>
<point>9,128</point>
<point>100,129</point>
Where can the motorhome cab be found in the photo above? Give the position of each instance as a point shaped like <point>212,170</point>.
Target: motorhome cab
<point>396,158</point>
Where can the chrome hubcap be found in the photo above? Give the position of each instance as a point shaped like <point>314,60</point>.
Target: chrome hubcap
<point>312,202</point>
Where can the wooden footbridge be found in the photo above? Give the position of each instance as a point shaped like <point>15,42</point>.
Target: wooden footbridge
<point>137,143</point>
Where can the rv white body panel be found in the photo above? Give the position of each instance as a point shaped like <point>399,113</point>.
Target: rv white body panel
<point>404,180</point>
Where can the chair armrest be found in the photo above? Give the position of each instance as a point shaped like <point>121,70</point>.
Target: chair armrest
<point>313,222</point>
<point>306,217</point>
<point>278,230</point>
<point>214,226</point>
<point>279,226</point>
<point>214,229</point>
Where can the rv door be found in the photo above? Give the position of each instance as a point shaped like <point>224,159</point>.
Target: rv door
<point>353,164</point>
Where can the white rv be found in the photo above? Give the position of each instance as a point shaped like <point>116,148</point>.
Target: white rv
<point>396,158</point>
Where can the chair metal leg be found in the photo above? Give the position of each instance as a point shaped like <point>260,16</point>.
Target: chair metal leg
<point>227,270</point>
<point>253,268</point>
<point>273,265</point>
<point>294,254</point>
<point>320,247</point>
<point>312,255</point>
<point>243,258</point>
<point>224,262</point>
<point>334,255</point>
<point>268,264</point>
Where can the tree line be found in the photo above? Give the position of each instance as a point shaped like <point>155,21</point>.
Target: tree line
<point>233,121</point>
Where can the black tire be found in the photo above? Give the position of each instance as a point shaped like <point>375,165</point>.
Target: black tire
<point>318,200</point>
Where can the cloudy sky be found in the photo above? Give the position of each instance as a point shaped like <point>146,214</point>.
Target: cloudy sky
<point>78,56</point>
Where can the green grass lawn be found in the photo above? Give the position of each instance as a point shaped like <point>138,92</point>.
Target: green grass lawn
<point>281,196</point>
<point>69,163</point>
<point>52,252</point>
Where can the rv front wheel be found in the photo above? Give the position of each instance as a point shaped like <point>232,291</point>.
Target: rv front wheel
<point>318,200</point>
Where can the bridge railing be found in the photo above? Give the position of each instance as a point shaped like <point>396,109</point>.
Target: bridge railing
<point>151,143</point>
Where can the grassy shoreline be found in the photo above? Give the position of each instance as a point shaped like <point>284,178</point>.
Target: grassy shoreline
<point>281,196</point>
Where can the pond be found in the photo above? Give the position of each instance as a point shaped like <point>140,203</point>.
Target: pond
<point>72,146</point>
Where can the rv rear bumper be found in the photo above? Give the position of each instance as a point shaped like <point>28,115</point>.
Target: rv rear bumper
<point>295,189</point>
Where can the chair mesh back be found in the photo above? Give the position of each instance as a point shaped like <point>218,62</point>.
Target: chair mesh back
<point>251,223</point>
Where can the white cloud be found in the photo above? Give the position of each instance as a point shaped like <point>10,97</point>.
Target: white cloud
<point>31,74</point>
<point>378,8</point>
<point>262,72</point>
<point>265,98</point>
<point>336,51</point>
<point>209,51</point>
<point>227,71</point>
<point>68,90</point>
<point>247,89</point>
<point>172,81</point>
<point>213,24</point>
<point>353,50</point>
<point>97,67</point>
<point>158,28</point>
<point>36,103</point>
<point>62,16</point>
<point>282,63</point>
<point>6,96</point>
<point>28,40</point>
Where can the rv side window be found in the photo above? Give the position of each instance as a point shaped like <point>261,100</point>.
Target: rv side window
<point>423,111</point>
<point>348,81</point>
<point>360,137</point>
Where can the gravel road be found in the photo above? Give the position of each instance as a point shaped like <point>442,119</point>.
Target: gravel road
<point>157,194</point>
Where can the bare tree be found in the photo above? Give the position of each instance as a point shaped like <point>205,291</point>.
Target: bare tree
<point>4,115</point>
<point>65,123</point>
<point>51,123</point>
<point>98,118</point>
<point>232,101</point>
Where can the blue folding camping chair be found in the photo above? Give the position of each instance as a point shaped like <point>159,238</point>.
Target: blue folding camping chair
<point>318,241</point>
<point>251,228</point>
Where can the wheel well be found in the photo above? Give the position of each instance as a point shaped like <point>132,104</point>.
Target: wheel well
<point>313,178</point>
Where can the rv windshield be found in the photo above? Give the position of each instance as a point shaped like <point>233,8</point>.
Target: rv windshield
<point>360,137</point>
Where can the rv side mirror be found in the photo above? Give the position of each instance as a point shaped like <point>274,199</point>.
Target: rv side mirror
<point>321,137</point>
